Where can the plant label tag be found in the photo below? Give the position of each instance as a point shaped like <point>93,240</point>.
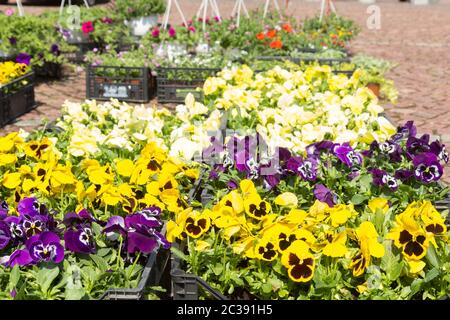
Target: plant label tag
<point>115,91</point>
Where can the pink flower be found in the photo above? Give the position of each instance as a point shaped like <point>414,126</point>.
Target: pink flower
<point>191,29</point>
<point>87,27</point>
<point>172,32</point>
<point>155,33</point>
<point>9,12</point>
<point>217,18</point>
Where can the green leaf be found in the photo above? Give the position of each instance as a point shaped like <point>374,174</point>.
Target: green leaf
<point>432,257</point>
<point>14,277</point>
<point>46,276</point>
<point>100,262</point>
<point>74,293</point>
<point>433,273</point>
<point>179,253</point>
<point>358,199</point>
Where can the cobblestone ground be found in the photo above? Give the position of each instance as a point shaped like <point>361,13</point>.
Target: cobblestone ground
<point>417,38</point>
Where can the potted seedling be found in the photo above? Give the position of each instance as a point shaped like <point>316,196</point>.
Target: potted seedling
<point>140,15</point>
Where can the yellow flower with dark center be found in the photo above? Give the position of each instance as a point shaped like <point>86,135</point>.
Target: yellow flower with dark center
<point>299,262</point>
<point>37,149</point>
<point>367,237</point>
<point>266,249</point>
<point>433,221</point>
<point>234,201</point>
<point>335,244</point>
<point>197,224</point>
<point>153,156</point>
<point>409,236</point>
<point>176,227</point>
<point>379,203</point>
<point>256,208</point>
<point>100,175</point>
<point>245,246</point>
<point>225,218</point>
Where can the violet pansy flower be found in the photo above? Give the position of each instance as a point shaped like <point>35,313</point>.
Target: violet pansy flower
<point>323,194</point>
<point>347,155</point>
<point>45,247</point>
<point>5,234</point>
<point>80,239</point>
<point>439,149</point>
<point>139,230</point>
<point>427,167</point>
<point>4,209</point>
<point>382,178</point>
<point>23,58</point>
<point>307,169</point>
<point>408,130</point>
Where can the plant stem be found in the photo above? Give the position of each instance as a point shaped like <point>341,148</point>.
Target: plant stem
<point>134,264</point>
<point>119,253</point>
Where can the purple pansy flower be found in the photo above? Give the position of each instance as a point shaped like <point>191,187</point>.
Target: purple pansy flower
<point>439,149</point>
<point>45,247</point>
<point>408,130</point>
<point>72,218</point>
<point>417,145</point>
<point>427,167</point>
<point>316,148</point>
<point>29,207</point>
<point>4,209</point>
<point>34,225</point>
<point>347,155</point>
<point>5,234</point>
<point>23,58</point>
<point>139,230</point>
<point>55,49</point>
<point>382,178</point>
<point>80,239</point>
<point>323,194</point>
<point>21,257</point>
<point>404,174</point>
<point>232,185</point>
<point>392,149</point>
<point>13,41</point>
<point>15,228</point>
<point>307,169</point>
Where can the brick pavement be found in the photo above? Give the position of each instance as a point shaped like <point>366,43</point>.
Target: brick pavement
<point>417,38</point>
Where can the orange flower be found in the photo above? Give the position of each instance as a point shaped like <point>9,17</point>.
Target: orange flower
<point>287,27</point>
<point>271,34</point>
<point>277,44</point>
<point>260,36</point>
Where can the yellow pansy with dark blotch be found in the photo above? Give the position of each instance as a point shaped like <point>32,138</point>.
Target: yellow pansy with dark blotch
<point>37,149</point>
<point>257,208</point>
<point>409,236</point>
<point>266,249</point>
<point>359,264</point>
<point>299,262</point>
<point>197,224</point>
<point>335,244</point>
<point>367,238</point>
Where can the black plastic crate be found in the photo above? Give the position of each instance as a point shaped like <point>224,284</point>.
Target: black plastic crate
<point>323,61</point>
<point>130,84</point>
<point>17,98</point>
<point>173,84</point>
<point>49,70</point>
<point>151,276</point>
